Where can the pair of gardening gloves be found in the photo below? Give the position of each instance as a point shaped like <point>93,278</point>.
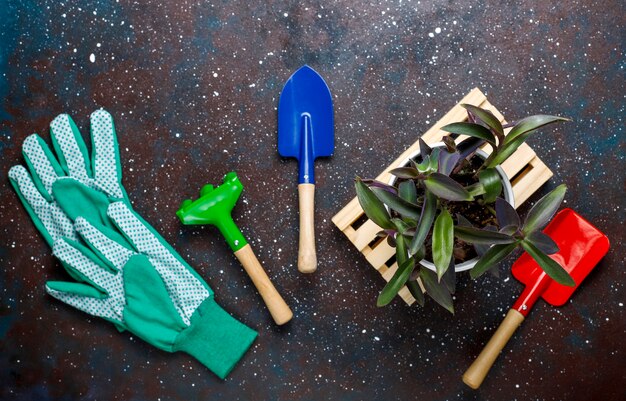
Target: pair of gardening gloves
<point>125,271</point>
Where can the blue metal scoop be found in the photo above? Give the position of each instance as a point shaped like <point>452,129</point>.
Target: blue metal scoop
<point>306,132</point>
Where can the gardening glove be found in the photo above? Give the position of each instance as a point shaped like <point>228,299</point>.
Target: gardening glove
<point>57,192</point>
<point>148,289</point>
<point>82,186</point>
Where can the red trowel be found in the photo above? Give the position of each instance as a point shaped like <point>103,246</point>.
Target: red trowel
<point>581,246</point>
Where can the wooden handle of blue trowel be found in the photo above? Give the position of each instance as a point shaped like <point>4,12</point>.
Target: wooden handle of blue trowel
<point>275,303</point>
<point>307,260</point>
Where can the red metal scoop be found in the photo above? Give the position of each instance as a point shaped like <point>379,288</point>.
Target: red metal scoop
<point>581,246</point>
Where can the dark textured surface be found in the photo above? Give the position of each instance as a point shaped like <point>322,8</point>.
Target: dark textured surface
<point>194,87</point>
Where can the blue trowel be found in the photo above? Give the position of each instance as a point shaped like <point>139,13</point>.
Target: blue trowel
<point>306,132</point>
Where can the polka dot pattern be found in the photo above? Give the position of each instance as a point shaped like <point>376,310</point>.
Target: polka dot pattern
<point>74,158</point>
<point>186,291</point>
<point>33,150</point>
<point>106,168</point>
<point>115,253</point>
<point>100,276</point>
<point>53,219</point>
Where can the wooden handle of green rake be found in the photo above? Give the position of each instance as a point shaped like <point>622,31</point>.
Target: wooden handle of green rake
<point>275,303</point>
<point>477,372</point>
<point>307,260</point>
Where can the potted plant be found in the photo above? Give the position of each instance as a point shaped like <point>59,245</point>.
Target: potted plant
<point>444,210</point>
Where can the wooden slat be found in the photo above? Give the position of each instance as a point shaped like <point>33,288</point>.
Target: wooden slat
<point>529,171</point>
<point>381,254</point>
<point>365,234</point>
<point>530,182</point>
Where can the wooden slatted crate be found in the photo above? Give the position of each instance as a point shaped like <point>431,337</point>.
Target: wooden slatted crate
<point>526,171</point>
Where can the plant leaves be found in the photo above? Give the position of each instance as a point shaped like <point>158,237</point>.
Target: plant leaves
<point>425,150</point>
<point>508,230</point>
<point>449,277</point>
<point>372,206</point>
<point>398,280</point>
<point>405,172</point>
<point>543,242</point>
<point>492,184</point>
<point>416,291</point>
<point>437,291</point>
<point>377,184</point>
<point>462,221</point>
<point>447,161</point>
<point>469,146</point>
<point>449,142</point>
<point>408,191</point>
<point>443,242</point>
<point>433,161</point>
<point>552,268</point>
<point>491,258</point>
<point>473,130</point>
<point>541,213</point>
<point>505,151</point>
<point>486,117</point>
<point>531,123</point>
<point>446,188</point>
<point>506,214</point>
<point>478,236</point>
<point>425,222</point>
<point>481,249</point>
<point>398,204</point>
<point>401,252</point>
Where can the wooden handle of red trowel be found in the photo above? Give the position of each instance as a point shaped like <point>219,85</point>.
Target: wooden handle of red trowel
<point>275,303</point>
<point>476,373</point>
<point>307,260</point>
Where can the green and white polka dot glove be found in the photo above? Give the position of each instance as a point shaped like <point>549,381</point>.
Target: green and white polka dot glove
<point>126,272</point>
<point>149,290</point>
<point>55,191</point>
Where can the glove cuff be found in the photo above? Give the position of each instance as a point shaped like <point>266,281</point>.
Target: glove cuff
<point>215,338</point>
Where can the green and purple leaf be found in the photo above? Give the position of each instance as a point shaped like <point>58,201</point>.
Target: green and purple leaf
<point>408,191</point>
<point>405,172</point>
<point>473,130</point>
<point>487,118</point>
<point>543,242</point>
<point>491,258</point>
<point>424,223</point>
<point>372,206</point>
<point>443,242</point>
<point>528,124</point>
<point>506,214</point>
<point>446,188</point>
<point>399,279</point>
<point>545,208</point>
<point>447,161</point>
<point>436,290</point>
<point>552,268</point>
<point>481,236</point>
<point>377,184</point>
<point>416,291</point>
<point>398,204</point>
<point>492,184</point>
<point>425,150</point>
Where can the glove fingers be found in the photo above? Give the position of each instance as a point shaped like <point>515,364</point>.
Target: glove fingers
<point>90,271</point>
<point>85,298</point>
<point>70,147</point>
<point>106,159</point>
<point>110,250</point>
<point>48,217</point>
<point>44,167</point>
<point>185,287</point>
